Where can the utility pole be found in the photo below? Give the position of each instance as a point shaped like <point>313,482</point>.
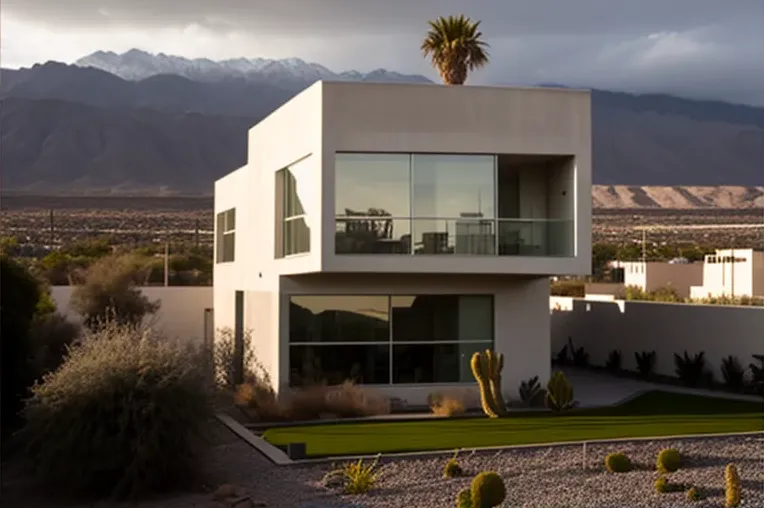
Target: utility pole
<point>644,245</point>
<point>52,229</point>
<point>166,263</point>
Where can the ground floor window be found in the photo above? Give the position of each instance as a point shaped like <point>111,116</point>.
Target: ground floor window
<point>384,339</point>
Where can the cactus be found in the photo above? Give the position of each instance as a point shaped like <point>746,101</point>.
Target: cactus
<point>486,367</point>
<point>731,486</point>
<point>668,460</point>
<point>618,463</point>
<point>464,499</point>
<point>694,494</point>
<point>488,490</point>
<point>559,393</point>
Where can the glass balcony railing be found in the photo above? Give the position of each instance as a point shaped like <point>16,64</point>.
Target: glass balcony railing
<point>462,236</point>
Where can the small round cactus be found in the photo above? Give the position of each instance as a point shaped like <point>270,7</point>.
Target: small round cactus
<point>618,463</point>
<point>452,469</point>
<point>669,460</point>
<point>662,485</point>
<point>694,494</point>
<point>488,490</point>
<point>464,499</point>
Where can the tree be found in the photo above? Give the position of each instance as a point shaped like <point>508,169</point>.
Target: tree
<point>19,299</point>
<point>110,293</point>
<point>455,47</point>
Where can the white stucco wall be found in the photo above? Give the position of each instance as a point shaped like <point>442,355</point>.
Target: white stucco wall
<point>742,278</point>
<point>181,311</point>
<point>630,327</point>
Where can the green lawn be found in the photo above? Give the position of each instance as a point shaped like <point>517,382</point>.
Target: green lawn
<point>652,414</point>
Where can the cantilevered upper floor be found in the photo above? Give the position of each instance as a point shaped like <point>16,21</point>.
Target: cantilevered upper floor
<point>402,178</point>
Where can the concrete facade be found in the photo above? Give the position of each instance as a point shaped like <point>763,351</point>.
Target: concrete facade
<point>544,132</point>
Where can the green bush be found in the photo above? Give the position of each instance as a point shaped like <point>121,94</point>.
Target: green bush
<point>488,490</point>
<point>694,494</point>
<point>669,460</point>
<point>122,417</point>
<point>559,393</point>
<point>618,463</point>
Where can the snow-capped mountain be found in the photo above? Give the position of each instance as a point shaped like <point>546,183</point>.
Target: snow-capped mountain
<point>135,65</point>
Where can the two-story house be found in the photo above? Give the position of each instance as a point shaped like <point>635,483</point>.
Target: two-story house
<point>386,232</point>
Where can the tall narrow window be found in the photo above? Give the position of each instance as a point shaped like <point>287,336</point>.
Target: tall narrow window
<point>292,204</point>
<point>225,236</point>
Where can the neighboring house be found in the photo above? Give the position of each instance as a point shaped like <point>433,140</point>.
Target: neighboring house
<point>386,232</point>
<point>653,275</point>
<point>732,272</point>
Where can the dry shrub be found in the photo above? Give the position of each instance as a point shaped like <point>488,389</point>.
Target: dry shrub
<point>446,405</point>
<point>257,398</point>
<point>347,400</point>
<point>123,416</point>
<point>109,291</point>
<point>225,361</point>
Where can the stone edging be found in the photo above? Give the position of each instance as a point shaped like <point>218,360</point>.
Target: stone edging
<point>270,452</point>
<point>536,446</point>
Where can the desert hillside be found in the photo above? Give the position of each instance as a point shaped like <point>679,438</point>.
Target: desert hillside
<point>683,198</point>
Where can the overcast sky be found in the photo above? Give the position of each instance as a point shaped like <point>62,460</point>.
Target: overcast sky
<point>693,48</point>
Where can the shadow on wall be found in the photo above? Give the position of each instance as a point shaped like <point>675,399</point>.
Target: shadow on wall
<point>668,328</point>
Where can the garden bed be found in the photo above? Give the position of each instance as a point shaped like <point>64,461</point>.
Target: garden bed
<point>652,414</point>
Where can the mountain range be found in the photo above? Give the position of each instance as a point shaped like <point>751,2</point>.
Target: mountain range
<point>151,124</point>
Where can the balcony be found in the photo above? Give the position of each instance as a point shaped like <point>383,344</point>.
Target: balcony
<point>414,204</point>
<point>452,236</point>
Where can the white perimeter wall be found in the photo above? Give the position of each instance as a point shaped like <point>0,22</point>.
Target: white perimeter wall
<point>667,328</point>
<point>181,313</point>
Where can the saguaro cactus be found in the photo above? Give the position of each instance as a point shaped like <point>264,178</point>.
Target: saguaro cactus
<point>486,367</point>
<point>732,486</point>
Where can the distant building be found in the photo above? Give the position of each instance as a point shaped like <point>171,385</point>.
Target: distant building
<point>732,272</point>
<point>650,276</point>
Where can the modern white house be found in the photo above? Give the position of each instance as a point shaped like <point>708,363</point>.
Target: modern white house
<point>386,232</point>
<point>732,272</point>
<point>654,275</point>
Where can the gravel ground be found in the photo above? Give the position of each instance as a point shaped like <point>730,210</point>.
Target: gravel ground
<point>545,477</point>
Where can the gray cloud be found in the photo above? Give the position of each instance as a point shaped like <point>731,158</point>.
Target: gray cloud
<point>698,48</point>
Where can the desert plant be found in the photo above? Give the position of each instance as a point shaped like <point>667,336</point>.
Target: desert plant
<point>486,367</point>
<point>531,391</point>
<point>690,369</point>
<point>559,393</point>
<point>109,291</point>
<point>663,485</point>
<point>733,373</point>
<point>257,399</point>
<point>231,365</point>
<point>50,336</point>
<point>562,357</point>
<point>731,486</point>
<point>694,494</point>
<point>123,416</point>
<point>579,356</point>
<point>645,363</point>
<point>455,46</point>
<point>452,469</point>
<point>488,490</point>
<point>446,405</point>
<point>464,499</point>
<point>618,463</point>
<point>757,374</point>
<point>354,477</point>
<point>614,361</point>
<point>346,400</point>
<point>669,460</point>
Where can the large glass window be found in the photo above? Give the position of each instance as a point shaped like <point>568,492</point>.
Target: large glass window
<point>429,204</point>
<point>383,339</point>
<point>293,195</point>
<point>372,203</point>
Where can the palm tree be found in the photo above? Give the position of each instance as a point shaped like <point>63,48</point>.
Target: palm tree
<point>454,46</point>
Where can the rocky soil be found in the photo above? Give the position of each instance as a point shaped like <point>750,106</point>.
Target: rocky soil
<point>540,477</point>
